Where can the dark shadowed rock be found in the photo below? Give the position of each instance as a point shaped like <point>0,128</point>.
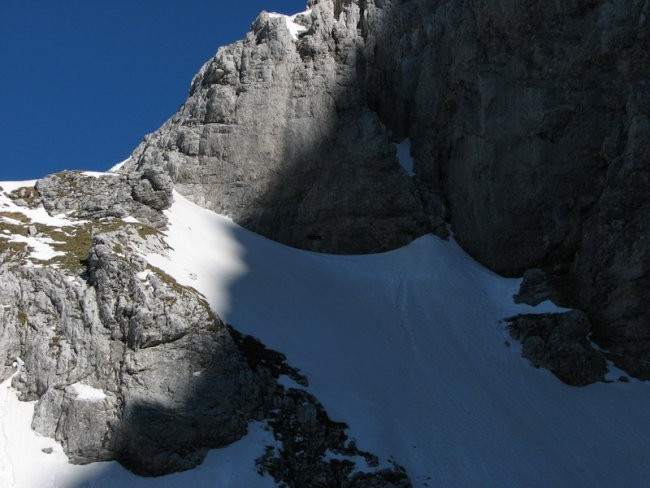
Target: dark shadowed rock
<point>530,122</point>
<point>536,287</point>
<point>560,343</point>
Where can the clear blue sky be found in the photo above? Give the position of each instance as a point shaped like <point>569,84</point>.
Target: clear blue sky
<point>82,81</point>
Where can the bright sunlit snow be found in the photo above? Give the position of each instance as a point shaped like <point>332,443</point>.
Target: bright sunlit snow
<point>97,174</point>
<point>87,392</point>
<point>406,347</point>
<point>294,28</point>
<point>41,248</point>
<point>119,165</point>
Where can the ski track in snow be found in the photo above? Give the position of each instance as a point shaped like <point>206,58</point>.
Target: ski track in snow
<point>402,303</point>
<point>408,348</point>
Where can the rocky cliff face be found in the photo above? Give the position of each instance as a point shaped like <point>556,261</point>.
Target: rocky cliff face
<point>528,125</point>
<point>277,133</point>
<point>533,121</point>
<point>112,349</point>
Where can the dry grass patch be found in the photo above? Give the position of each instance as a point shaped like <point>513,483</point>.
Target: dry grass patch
<point>16,216</point>
<point>26,193</point>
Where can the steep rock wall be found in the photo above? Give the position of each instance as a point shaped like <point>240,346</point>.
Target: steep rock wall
<point>528,125</point>
<point>277,134</point>
<point>531,120</point>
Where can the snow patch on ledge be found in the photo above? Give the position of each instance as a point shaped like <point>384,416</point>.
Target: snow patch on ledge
<point>118,166</point>
<point>287,382</point>
<point>294,28</point>
<point>41,247</point>
<point>97,174</point>
<point>87,392</point>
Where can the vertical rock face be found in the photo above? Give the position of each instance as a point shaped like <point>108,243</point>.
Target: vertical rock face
<point>277,134</point>
<point>532,120</point>
<point>528,125</point>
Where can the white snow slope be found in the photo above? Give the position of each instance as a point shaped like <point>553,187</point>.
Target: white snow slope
<point>406,347</point>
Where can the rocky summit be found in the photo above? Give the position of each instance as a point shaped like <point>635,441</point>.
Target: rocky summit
<point>517,131</point>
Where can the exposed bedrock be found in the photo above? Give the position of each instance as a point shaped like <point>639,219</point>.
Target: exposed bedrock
<point>277,133</point>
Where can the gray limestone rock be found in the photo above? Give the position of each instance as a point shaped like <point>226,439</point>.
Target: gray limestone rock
<point>138,195</point>
<point>154,189</point>
<point>166,381</point>
<point>276,133</point>
<point>171,382</point>
<point>535,288</point>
